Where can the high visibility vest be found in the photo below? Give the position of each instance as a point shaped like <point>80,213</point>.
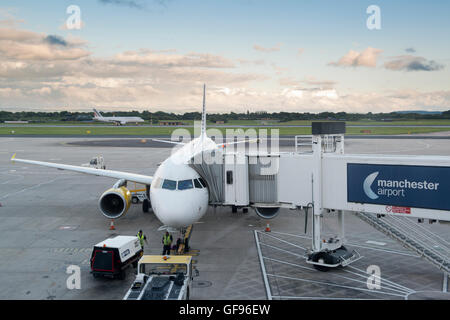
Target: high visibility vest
<point>167,240</point>
<point>141,238</point>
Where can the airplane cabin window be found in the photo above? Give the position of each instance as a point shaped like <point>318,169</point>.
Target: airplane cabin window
<point>197,184</point>
<point>185,184</point>
<point>169,184</point>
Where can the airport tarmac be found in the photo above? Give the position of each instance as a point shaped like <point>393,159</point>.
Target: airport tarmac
<point>49,219</point>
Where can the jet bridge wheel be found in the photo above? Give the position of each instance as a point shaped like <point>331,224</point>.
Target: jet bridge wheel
<point>322,257</point>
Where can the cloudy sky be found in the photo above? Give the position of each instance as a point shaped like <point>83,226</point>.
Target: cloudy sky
<point>299,55</point>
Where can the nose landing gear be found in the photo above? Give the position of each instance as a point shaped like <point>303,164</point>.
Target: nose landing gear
<point>146,205</point>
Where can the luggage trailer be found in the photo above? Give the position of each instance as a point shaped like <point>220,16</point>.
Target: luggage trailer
<point>162,278</point>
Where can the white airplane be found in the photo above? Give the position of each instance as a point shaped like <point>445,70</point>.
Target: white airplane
<point>179,196</point>
<point>117,120</point>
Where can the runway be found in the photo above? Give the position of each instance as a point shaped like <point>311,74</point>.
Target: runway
<point>49,219</point>
<point>147,142</point>
<point>217,126</point>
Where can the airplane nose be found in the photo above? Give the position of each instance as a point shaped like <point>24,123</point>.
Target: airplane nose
<point>179,209</point>
<point>172,216</point>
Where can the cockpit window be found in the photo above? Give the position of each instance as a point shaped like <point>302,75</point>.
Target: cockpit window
<point>169,184</point>
<point>197,184</point>
<point>157,183</point>
<point>185,184</point>
<point>202,182</point>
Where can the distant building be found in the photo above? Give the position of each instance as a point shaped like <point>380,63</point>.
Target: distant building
<point>171,123</point>
<point>220,122</point>
<point>267,120</point>
<point>16,122</point>
<point>83,118</point>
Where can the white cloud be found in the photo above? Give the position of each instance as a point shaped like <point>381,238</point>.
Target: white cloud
<point>22,45</point>
<point>34,74</point>
<point>292,93</point>
<point>331,94</point>
<point>174,60</point>
<point>264,49</point>
<point>366,58</point>
<point>47,71</point>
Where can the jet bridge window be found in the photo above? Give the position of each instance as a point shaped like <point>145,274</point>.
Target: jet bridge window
<point>229,177</point>
<point>185,184</point>
<point>169,184</point>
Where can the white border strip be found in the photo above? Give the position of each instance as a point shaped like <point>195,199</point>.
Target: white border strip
<point>263,267</point>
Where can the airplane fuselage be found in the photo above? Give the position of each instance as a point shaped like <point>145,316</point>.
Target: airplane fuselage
<point>177,196</point>
<point>120,120</point>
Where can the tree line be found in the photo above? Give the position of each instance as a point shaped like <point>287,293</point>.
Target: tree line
<point>225,117</point>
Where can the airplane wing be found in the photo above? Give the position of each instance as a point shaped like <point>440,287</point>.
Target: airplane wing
<point>169,141</point>
<point>223,145</point>
<point>133,177</point>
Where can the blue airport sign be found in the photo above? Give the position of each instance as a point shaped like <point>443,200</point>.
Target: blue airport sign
<point>399,185</point>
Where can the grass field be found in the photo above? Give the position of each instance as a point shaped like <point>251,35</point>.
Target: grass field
<point>153,131</point>
<point>412,123</point>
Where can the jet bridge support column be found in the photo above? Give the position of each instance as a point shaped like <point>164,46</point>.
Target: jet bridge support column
<point>326,253</point>
<point>317,193</point>
<point>341,222</point>
<point>445,282</point>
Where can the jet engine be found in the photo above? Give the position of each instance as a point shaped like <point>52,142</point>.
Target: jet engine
<point>115,202</point>
<point>267,213</point>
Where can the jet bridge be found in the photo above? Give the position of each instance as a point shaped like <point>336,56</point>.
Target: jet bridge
<point>320,178</point>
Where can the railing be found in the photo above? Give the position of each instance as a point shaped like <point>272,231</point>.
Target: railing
<point>303,143</point>
<point>413,236</point>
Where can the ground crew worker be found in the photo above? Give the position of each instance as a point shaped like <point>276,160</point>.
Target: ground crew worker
<point>141,236</point>
<point>167,242</point>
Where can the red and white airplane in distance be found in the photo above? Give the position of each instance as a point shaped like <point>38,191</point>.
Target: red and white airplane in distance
<point>178,195</point>
<point>117,120</point>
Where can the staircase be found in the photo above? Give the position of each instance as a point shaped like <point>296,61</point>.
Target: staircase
<point>414,236</point>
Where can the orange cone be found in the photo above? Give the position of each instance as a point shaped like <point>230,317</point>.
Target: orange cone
<point>111,226</point>
<point>268,228</point>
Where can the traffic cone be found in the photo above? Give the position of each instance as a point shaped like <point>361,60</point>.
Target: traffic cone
<point>268,228</point>
<point>111,226</point>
